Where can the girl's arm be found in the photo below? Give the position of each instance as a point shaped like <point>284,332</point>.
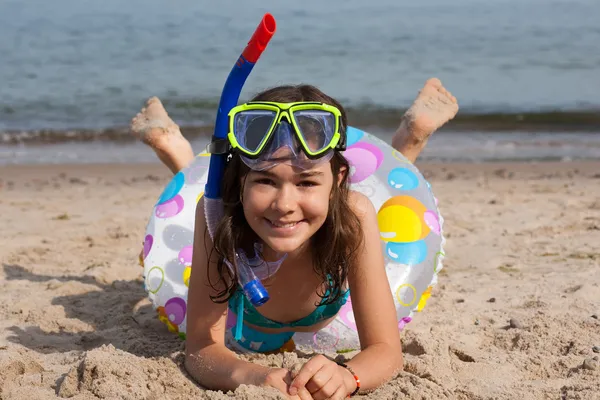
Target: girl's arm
<point>375,315</point>
<point>373,305</point>
<point>207,358</point>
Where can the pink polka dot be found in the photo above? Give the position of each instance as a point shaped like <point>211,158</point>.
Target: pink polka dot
<point>148,241</point>
<point>169,208</point>
<point>432,221</point>
<point>365,158</point>
<point>185,255</point>
<point>347,315</point>
<point>175,309</point>
<point>326,344</point>
<point>403,322</point>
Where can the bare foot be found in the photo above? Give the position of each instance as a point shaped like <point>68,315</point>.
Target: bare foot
<point>153,126</point>
<point>433,107</point>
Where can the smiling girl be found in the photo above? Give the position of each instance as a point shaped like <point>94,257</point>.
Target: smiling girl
<point>286,193</point>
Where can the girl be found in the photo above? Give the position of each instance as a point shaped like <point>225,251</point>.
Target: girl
<point>298,204</point>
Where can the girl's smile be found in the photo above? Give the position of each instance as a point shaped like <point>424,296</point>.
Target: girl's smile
<point>285,205</point>
<point>284,228</point>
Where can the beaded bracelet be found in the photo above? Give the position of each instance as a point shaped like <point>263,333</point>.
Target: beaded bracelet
<point>356,378</point>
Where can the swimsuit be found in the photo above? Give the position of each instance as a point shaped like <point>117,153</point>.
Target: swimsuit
<point>254,340</point>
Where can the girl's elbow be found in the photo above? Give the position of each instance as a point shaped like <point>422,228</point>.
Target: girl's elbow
<point>397,358</point>
<point>195,364</point>
<point>191,364</point>
<point>399,362</point>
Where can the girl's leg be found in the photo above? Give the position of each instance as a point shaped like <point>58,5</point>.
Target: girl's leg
<point>153,126</point>
<point>433,107</point>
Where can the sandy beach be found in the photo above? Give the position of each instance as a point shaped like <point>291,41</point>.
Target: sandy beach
<point>516,314</point>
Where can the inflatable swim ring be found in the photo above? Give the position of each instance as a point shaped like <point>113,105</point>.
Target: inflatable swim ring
<point>409,222</point>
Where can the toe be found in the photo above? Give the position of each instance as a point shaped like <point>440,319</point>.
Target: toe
<point>152,99</point>
<point>444,99</point>
<point>434,82</point>
<point>446,95</point>
<point>154,103</point>
<point>445,92</point>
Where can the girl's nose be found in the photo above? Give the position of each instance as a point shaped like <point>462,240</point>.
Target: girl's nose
<point>285,200</point>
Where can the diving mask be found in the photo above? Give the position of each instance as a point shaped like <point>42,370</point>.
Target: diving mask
<point>299,134</point>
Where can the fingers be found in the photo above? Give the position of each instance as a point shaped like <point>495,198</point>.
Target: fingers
<point>279,379</point>
<point>340,394</point>
<point>307,372</point>
<point>321,379</point>
<point>278,384</point>
<point>304,394</point>
<point>318,379</point>
<point>329,389</point>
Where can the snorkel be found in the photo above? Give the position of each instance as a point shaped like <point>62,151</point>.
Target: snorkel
<point>213,205</point>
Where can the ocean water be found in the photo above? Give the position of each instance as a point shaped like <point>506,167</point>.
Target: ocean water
<point>451,147</point>
<point>68,68</point>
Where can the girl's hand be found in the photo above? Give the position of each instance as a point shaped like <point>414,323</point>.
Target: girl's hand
<point>323,379</point>
<point>280,379</point>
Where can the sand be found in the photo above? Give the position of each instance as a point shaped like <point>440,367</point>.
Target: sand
<point>515,316</point>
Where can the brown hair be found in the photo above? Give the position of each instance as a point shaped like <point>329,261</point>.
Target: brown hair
<point>335,243</point>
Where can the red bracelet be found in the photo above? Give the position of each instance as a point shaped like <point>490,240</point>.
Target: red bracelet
<point>356,378</point>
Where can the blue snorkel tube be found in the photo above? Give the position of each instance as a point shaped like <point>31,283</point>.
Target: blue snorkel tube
<point>251,285</point>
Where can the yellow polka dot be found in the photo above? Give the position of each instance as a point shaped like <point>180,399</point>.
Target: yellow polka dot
<point>186,276</point>
<point>199,197</point>
<point>414,296</point>
<point>170,326</point>
<point>402,219</point>
<point>424,297</point>
<point>399,224</point>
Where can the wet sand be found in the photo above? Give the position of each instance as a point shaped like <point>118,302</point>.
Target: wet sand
<point>516,313</point>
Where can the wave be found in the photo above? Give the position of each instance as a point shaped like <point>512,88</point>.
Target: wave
<point>196,119</point>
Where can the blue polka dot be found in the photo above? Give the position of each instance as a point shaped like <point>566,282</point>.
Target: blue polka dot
<point>353,135</point>
<point>172,188</point>
<point>407,253</point>
<point>403,179</point>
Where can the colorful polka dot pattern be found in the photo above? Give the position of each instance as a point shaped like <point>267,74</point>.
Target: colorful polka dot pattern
<point>409,224</point>
<point>403,179</point>
<point>364,159</point>
<point>170,206</point>
<point>404,221</point>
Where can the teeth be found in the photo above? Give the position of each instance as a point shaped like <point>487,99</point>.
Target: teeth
<point>284,225</point>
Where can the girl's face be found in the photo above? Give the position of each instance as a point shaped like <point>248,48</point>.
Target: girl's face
<point>285,205</point>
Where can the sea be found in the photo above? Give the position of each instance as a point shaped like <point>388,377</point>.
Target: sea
<point>526,72</point>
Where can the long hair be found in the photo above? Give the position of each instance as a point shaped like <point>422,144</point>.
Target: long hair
<point>334,246</point>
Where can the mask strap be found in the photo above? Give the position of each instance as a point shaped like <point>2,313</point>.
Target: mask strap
<point>218,146</point>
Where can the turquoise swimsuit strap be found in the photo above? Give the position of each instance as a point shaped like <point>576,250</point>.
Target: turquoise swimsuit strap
<point>245,310</point>
<point>240,318</point>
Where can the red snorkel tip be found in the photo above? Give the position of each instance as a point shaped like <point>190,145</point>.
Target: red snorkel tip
<point>259,40</point>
